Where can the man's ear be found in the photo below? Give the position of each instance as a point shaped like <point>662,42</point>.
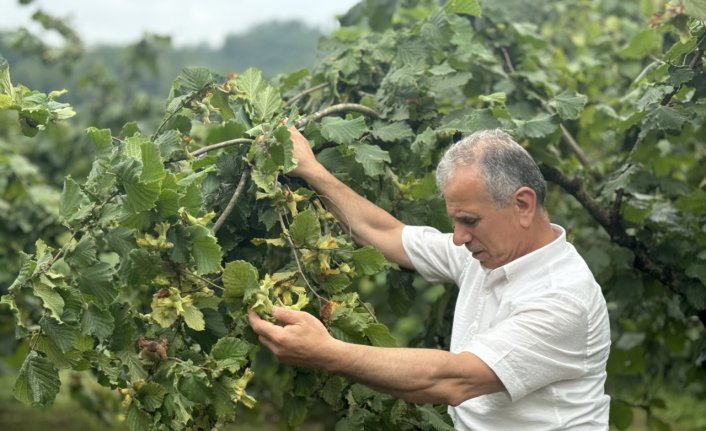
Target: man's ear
<point>525,201</point>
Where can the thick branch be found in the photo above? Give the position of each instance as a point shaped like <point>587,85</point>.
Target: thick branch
<point>342,107</point>
<point>233,200</point>
<point>238,141</point>
<point>610,221</point>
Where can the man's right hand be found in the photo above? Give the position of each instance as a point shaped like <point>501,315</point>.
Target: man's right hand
<point>306,161</point>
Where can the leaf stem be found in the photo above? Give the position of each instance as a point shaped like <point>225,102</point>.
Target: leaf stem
<point>233,200</point>
<point>296,256</point>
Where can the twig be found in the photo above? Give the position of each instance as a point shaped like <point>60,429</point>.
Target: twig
<point>205,280</point>
<point>571,142</point>
<point>305,92</point>
<point>296,256</point>
<point>233,200</point>
<point>341,107</point>
<point>368,310</point>
<point>237,141</point>
<point>508,61</point>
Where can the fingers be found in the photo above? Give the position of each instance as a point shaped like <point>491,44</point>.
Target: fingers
<point>286,316</point>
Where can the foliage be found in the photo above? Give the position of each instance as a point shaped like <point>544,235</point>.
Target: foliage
<point>150,292</point>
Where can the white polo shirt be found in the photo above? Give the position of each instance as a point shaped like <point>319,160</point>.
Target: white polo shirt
<point>539,322</point>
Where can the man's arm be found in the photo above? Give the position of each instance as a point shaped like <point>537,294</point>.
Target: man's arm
<point>368,223</point>
<point>415,375</point>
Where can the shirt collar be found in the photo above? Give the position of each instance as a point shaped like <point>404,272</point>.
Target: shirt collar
<point>531,261</point>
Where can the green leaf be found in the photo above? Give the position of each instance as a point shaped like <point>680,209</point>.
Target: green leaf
<point>50,297</point>
<point>398,131</point>
<point>239,276</point>
<point>368,260</point>
<point>151,395</point>
<point>38,381</point>
<point>102,140</point>
<point>621,414</point>
<point>665,118</point>
<point>84,253</point>
<point>343,131</point>
<point>538,127</point>
<point>433,418</point>
<point>231,347</point>
<point>195,78</point>
<point>97,322</point>
<point>249,83</point>
<point>644,42</point>
<point>266,102</point>
<point>569,104</point>
<point>205,250</point>
<point>136,419</point>
<point>61,334</point>
<point>380,335</point>
<point>97,281</point>
<point>696,8</point>
<point>6,87</point>
<point>193,317</point>
<point>372,158</point>
<point>73,204</point>
<point>152,163</point>
<point>305,229</point>
<point>465,7</point>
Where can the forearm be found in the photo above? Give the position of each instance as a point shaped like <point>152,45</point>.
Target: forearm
<point>367,223</point>
<point>416,375</point>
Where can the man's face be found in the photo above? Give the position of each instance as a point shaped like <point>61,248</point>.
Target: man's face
<point>494,235</point>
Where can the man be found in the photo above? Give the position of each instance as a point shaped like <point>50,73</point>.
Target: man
<point>530,336</point>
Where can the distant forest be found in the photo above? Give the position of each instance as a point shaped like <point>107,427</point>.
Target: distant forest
<point>148,64</point>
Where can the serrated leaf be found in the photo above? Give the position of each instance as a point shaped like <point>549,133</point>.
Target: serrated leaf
<point>380,335</point>
<point>38,381</point>
<point>343,131</point>
<point>97,281</point>
<point>391,132</point>
<point>61,334</point>
<point>50,297</point>
<point>372,158</point>
<point>151,396</point>
<point>238,276</point>
<point>538,127</point>
<point>97,322</point>
<point>249,82</point>
<point>205,250</point>
<point>141,196</point>
<point>195,78</point>
<point>102,140</point>
<point>266,102</point>
<point>305,229</point>
<point>152,163</point>
<point>136,419</point>
<point>569,104</point>
<point>433,418</point>
<point>465,7</point>
<point>73,204</point>
<point>84,253</point>
<point>193,317</point>
<point>665,118</point>
<point>368,260</point>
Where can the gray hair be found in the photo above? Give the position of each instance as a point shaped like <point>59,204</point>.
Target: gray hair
<point>504,165</point>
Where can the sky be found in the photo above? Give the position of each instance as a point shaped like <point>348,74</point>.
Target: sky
<point>187,22</point>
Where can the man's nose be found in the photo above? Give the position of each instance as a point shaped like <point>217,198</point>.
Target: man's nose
<point>461,235</point>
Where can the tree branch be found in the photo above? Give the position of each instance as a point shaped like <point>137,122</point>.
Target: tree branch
<point>610,221</point>
<point>296,256</point>
<point>233,200</point>
<point>305,92</point>
<point>223,144</point>
<point>342,107</point>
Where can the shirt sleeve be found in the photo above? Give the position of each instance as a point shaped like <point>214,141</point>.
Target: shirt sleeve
<point>543,341</point>
<point>434,254</point>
